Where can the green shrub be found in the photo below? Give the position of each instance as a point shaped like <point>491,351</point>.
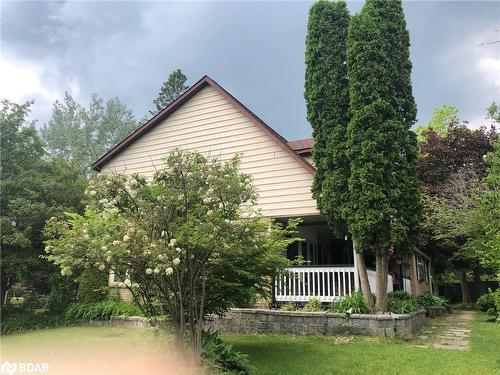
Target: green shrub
<point>289,306</point>
<point>353,304</point>
<point>497,304</point>
<point>62,293</point>
<point>486,302</point>
<point>103,310</point>
<point>221,357</point>
<point>313,305</point>
<point>402,306</point>
<point>15,320</point>
<point>430,302</point>
<point>93,286</point>
<point>491,311</point>
<point>490,303</point>
<point>400,302</point>
<point>399,294</point>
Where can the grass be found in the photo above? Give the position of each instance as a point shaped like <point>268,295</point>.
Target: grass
<point>130,351</point>
<point>96,351</point>
<point>272,354</point>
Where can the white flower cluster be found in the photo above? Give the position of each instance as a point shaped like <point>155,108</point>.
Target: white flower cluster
<point>130,185</point>
<point>167,267</point>
<point>66,271</point>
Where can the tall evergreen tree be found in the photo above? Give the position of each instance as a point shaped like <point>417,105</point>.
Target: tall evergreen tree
<point>327,99</point>
<point>384,207</point>
<point>171,89</point>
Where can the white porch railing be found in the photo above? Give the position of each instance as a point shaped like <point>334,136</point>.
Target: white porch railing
<point>407,285</point>
<point>325,283</point>
<point>372,280</point>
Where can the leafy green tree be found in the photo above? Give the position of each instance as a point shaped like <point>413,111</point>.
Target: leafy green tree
<point>486,243</point>
<point>451,168</point>
<point>442,117</point>
<point>384,205</point>
<point>448,216</point>
<point>172,240</point>
<point>33,189</point>
<point>83,135</point>
<point>171,89</point>
<point>493,113</point>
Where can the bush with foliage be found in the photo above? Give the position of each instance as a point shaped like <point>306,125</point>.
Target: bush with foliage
<point>485,302</point>
<point>93,286</point>
<point>429,300</point>
<point>190,238</point>
<point>352,304</point>
<point>497,304</point>
<point>400,302</point>
<point>19,320</point>
<point>104,310</point>
<point>489,302</point>
<point>289,306</point>
<point>221,357</point>
<point>313,305</point>
<point>62,293</point>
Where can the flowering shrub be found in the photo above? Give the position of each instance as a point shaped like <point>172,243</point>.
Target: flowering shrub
<point>190,239</point>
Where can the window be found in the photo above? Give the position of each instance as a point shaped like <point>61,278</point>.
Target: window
<point>422,274</point>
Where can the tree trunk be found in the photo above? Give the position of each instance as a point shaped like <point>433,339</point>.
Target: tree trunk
<point>464,286</point>
<point>382,269</point>
<point>478,285</point>
<point>363,275</point>
<point>4,289</point>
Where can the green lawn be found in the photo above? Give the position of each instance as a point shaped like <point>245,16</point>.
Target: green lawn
<point>88,350</point>
<point>96,351</point>
<point>290,355</point>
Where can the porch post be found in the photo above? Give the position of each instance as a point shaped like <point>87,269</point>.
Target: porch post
<point>356,274</point>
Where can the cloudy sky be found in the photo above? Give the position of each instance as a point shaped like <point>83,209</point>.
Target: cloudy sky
<point>254,50</point>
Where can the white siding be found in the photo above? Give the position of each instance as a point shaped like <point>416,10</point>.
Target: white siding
<point>211,124</point>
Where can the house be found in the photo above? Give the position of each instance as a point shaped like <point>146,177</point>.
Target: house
<point>210,120</point>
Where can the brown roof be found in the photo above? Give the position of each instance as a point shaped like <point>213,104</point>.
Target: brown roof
<point>302,146</point>
<point>163,114</point>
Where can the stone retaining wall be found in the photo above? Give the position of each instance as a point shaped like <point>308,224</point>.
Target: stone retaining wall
<point>119,322</point>
<point>242,321</point>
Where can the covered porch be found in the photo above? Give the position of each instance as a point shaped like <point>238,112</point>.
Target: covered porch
<point>326,269</point>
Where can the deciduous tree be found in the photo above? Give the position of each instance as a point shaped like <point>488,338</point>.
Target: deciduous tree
<point>442,117</point>
<point>451,169</point>
<point>34,188</point>
<point>82,135</point>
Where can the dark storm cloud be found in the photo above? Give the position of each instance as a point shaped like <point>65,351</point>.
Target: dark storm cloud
<point>255,50</point>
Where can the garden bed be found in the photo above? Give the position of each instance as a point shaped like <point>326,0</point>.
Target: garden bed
<point>244,321</point>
